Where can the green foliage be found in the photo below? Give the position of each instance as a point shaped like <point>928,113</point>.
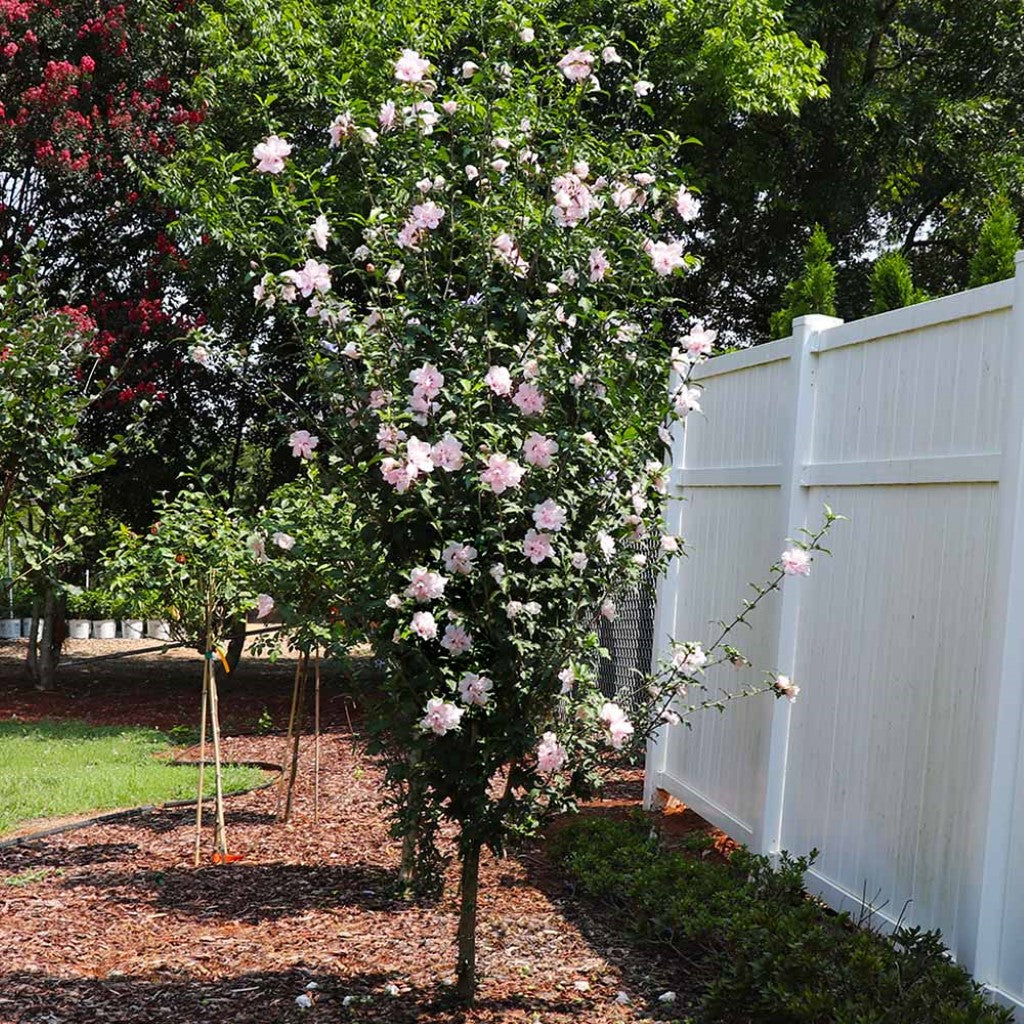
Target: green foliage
<point>195,567</point>
<point>998,242</point>
<point>56,768</point>
<point>814,291</point>
<point>763,949</point>
<point>892,283</point>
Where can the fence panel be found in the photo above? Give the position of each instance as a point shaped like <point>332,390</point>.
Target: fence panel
<point>901,760</point>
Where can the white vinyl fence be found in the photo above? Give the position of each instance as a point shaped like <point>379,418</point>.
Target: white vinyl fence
<point>901,761</point>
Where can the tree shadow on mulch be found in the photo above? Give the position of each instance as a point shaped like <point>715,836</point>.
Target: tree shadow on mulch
<point>42,855</point>
<point>168,997</point>
<point>251,893</point>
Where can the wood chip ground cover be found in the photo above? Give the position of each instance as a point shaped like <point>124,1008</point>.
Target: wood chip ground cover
<point>111,923</point>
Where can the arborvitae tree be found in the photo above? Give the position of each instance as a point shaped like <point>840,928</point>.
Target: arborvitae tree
<point>892,283</point>
<point>814,291</point>
<point>998,242</point>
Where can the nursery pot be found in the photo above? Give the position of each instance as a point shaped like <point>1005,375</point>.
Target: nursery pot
<point>26,628</point>
<point>158,629</point>
<point>79,629</point>
<point>104,629</point>
<point>10,629</point>
<point>132,629</point>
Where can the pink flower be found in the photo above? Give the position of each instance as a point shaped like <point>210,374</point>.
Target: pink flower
<point>624,196</point>
<point>320,231</point>
<point>447,454</point>
<point>567,677</point>
<point>669,543</point>
<point>303,443</point>
<point>687,400</point>
<point>608,610</point>
<point>399,475</point>
<point>409,236</point>
<point>429,379</point>
<point>285,541</point>
<point>614,720</point>
<point>440,717</point>
<point>264,606</point>
<point>475,689</point>
<point>456,640</point>
<point>689,658</point>
<point>200,355</point>
<point>458,558</point>
<point>687,205</point>
<point>499,380</point>
<point>666,257</point>
<point>539,449</point>
<point>610,55</point>
<point>643,88</point>
<point>549,516</point>
<point>425,585</point>
<point>579,560</point>
<point>411,67</point>
<point>427,215</point>
<point>785,688</point>
<point>529,400</point>
<point>340,129</point>
<point>700,341</point>
<point>424,625</point>
<point>573,200</point>
<point>386,117</point>
<point>551,754</point>
<point>537,546</point>
<point>389,436</point>
<point>501,473</point>
<point>270,154</point>
<point>795,562</point>
<point>577,64</point>
<point>599,265</point>
<point>449,106</point>
<point>508,252</point>
<point>419,454</point>
<point>312,277</point>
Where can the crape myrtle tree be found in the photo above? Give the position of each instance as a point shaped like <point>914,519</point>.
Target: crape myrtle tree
<point>486,285</point>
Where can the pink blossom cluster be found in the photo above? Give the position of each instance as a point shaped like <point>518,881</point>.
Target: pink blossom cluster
<point>440,717</point>
<point>617,725</point>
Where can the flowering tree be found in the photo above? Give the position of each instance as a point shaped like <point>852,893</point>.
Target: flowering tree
<point>487,283</point>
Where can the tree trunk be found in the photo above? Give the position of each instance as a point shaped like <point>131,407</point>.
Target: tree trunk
<point>469,890</point>
<point>44,659</point>
<point>221,837</point>
<point>407,867</point>
<point>202,759</point>
<point>283,783</point>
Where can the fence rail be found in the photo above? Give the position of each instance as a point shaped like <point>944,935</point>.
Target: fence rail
<point>902,760</point>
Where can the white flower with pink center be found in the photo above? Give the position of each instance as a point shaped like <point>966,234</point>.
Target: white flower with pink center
<point>424,625</point>
<point>786,688</point>
<point>270,154</point>
<point>606,542</point>
<point>577,65</point>
<point>425,585</point>
<point>429,379</point>
<point>687,204</point>
<point>539,450</point>
<point>411,67</point>
<point>387,115</point>
<point>456,640</point>
<point>475,689</point>
<point>551,754</point>
<point>499,380</point>
<point>549,515</point>
<point>579,560</point>
<point>689,658</point>
<point>303,444</point>
<point>448,454</point>
<point>441,717</point>
<point>341,128</point>
<point>686,400</point>
<point>699,341</point>
<point>795,562</point>
<point>599,265</point>
<point>502,473</point>
<point>529,400</point>
<point>320,231</point>
<point>459,558</point>
<point>537,546</point>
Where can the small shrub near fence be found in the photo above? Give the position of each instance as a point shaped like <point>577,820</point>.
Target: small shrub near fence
<point>757,947</point>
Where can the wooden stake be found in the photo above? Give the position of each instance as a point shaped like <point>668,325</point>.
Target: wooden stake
<point>202,760</point>
<point>220,839</point>
<point>304,663</point>
<point>288,741</point>
<point>316,736</point>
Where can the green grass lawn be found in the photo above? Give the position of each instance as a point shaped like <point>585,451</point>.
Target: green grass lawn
<point>50,769</point>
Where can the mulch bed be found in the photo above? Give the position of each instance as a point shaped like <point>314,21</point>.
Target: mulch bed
<point>114,925</point>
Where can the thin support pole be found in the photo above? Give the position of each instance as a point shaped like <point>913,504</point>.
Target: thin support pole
<point>316,736</point>
<point>221,838</point>
<point>288,740</point>
<point>300,714</point>
<point>202,759</point>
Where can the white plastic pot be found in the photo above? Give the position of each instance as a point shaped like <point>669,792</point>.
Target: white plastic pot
<point>158,629</point>
<point>10,629</point>
<point>104,629</point>
<point>26,627</point>
<point>79,629</point>
<point>133,629</point>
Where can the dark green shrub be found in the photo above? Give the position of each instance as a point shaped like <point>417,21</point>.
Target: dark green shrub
<point>772,954</point>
